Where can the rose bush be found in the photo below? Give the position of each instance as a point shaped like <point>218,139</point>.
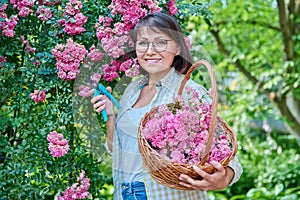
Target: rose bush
<point>44,44</point>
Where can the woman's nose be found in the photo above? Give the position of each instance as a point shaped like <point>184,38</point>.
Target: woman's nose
<point>151,48</point>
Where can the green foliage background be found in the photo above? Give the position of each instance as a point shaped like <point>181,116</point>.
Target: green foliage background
<point>28,171</point>
<point>270,157</point>
<point>251,41</point>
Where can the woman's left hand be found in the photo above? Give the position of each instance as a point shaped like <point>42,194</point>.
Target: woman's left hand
<point>219,180</point>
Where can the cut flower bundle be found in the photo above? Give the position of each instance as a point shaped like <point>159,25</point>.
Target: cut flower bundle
<point>179,131</point>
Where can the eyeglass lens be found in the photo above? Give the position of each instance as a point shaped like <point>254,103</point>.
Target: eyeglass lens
<point>159,45</point>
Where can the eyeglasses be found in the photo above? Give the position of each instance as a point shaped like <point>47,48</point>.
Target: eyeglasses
<point>159,45</point>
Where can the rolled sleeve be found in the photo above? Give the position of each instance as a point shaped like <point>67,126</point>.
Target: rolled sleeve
<point>235,165</point>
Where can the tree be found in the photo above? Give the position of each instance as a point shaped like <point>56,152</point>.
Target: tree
<point>261,40</point>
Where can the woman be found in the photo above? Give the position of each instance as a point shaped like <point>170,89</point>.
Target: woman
<point>163,55</point>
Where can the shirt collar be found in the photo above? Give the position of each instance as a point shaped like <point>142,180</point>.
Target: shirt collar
<point>167,81</point>
<point>168,78</point>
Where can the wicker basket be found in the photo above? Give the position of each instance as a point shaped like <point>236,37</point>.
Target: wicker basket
<point>166,172</point>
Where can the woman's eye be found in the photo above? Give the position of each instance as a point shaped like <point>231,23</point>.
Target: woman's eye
<point>143,43</point>
<point>161,42</point>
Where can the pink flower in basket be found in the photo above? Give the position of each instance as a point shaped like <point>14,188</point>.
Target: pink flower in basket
<point>180,131</point>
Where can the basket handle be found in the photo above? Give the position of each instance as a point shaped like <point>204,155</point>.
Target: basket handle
<point>211,130</point>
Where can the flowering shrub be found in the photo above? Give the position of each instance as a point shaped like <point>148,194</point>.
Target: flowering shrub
<point>38,96</point>
<point>78,190</point>
<point>172,7</point>
<point>74,18</point>
<point>43,13</point>
<point>24,6</point>
<point>8,24</point>
<point>180,131</point>
<point>95,54</point>
<point>58,146</point>
<point>45,46</point>
<point>68,59</point>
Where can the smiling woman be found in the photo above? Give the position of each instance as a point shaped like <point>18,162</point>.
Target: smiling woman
<point>164,56</point>
<point>155,52</point>
<point>166,29</point>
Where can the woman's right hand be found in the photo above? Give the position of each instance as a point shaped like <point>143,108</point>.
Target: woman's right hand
<point>101,102</point>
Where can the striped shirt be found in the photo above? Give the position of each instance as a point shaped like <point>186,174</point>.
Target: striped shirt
<point>125,156</point>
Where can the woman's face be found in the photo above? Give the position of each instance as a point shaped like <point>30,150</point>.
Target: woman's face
<point>155,51</point>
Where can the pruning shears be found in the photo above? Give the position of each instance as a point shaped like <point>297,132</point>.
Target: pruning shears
<point>102,90</point>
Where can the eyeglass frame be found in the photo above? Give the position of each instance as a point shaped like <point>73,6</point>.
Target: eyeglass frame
<point>153,45</point>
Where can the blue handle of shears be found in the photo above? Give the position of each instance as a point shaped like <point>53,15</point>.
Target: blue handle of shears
<point>103,112</point>
<point>109,95</point>
<point>102,90</point>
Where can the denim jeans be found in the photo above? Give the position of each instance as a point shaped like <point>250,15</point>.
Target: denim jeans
<point>133,191</point>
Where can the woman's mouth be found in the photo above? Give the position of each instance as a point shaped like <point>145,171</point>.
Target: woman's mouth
<point>152,60</point>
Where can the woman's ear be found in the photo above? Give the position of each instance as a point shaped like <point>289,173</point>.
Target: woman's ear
<point>178,51</point>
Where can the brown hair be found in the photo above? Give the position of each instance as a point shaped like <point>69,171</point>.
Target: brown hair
<point>167,24</point>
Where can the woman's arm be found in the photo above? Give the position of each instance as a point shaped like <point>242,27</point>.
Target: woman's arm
<point>110,124</point>
<point>101,102</point>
